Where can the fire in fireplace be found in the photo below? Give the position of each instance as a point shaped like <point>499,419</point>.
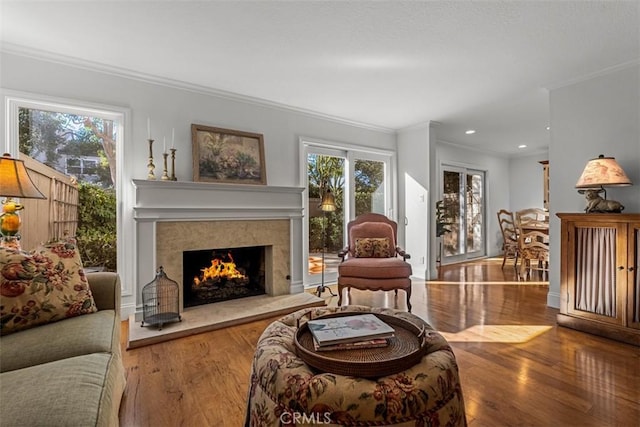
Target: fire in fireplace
<point>216,275</point>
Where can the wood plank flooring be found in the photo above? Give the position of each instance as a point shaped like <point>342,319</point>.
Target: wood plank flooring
<point>517,367</point>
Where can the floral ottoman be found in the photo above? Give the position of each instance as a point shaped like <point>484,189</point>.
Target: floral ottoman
<point>286,391</point>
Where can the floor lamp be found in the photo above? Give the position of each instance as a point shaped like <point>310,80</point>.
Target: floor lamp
<point>328,204</point>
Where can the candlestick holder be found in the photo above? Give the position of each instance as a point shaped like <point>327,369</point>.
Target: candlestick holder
<point>173,164</point>
<point>165,176</point>
<point>150,166</point>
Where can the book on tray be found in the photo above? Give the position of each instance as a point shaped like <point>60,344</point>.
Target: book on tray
<point>348,329</point>
<point>374,343</point>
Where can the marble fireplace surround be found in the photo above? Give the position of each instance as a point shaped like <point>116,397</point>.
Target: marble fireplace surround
<point>174,237</point>
<point>173,216</point>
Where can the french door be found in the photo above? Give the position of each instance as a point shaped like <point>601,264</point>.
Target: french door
<point>360,182</point>
<point>463,195</point>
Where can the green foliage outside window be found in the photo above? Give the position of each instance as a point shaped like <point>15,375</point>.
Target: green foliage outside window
<point>97,226</point>
<point>326,172</point>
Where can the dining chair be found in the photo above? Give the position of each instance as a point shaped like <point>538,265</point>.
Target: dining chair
<point>509,237</point>
<point>533,217</point>
<point>532,226</point>
<point>534,252</point>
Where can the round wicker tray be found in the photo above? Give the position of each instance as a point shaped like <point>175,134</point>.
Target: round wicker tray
<point>405,349</point>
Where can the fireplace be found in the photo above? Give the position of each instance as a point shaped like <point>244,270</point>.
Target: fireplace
<point>174,217</point>
<point>215,275</point>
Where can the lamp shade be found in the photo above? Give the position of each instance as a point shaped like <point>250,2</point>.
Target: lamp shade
<point>603,171</point>
<point>328,203</point>
<point>15,180</point>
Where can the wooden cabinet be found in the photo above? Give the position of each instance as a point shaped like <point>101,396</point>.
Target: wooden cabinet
<point>599,274</point>
<point>545,184</point>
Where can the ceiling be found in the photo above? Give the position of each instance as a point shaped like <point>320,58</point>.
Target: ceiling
<point>391,64</point>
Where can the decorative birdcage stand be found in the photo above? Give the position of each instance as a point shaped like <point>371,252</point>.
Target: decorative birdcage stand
<point>160,301</point>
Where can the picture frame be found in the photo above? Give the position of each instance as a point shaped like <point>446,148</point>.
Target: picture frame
<point>227,156</point>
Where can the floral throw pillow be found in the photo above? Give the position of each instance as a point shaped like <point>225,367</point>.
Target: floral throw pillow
<point>373,247</point>
<point>42,286</point>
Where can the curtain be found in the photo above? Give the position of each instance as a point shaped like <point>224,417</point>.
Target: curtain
<point>595,270</point>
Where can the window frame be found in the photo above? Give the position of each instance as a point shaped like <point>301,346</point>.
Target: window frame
<point>351,153</point>
<point>14,100</point>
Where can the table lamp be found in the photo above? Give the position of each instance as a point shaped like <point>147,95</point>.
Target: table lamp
<point>599,173</point>
<point>14,182</point>
<point>328,204</point>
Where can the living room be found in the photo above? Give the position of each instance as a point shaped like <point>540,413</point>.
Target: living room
<point>590,112</point>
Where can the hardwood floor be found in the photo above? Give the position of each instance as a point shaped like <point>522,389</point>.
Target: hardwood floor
<point>517,367</point>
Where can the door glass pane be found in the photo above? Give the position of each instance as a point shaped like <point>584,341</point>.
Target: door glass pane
<point>474,212</point>
<point>325,228</point>
<point>369,186</point>
<point>453,199</point>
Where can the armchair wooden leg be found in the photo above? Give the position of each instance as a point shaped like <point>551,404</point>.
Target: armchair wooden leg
<point>408,291</point>
<point>339,294</point>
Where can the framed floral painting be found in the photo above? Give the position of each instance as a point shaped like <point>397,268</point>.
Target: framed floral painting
<point>227,156</point>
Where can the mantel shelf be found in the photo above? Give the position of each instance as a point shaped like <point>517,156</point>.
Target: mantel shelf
<point>141,185</point>
<point>175,200</point>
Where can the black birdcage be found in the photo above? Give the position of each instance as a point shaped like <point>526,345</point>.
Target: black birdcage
<point>160,301</point>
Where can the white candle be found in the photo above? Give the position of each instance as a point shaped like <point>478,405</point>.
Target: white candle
<point>173,137</point>
<point>148,128</point>
<point>164,140</point>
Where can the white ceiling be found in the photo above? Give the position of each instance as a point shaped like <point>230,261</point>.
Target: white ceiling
<point>390,64</point>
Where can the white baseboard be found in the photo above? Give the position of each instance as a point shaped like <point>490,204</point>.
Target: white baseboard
<point>553,299</point>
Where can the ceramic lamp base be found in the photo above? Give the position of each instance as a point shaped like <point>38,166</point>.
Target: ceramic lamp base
<point>10,242</point>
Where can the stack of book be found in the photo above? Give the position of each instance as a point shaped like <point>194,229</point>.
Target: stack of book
<point>349,332</point>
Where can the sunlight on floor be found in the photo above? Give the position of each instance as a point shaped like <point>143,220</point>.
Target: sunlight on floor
<point>497,333</point>
<point>519,283</point>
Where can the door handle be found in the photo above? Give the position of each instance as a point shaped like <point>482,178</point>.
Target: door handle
<point>621,267</point>
<point>630,268</point>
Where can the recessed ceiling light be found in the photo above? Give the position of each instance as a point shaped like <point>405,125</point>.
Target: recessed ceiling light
<point>548,127</point>
<point>470,132</point>
<point>522,146</point>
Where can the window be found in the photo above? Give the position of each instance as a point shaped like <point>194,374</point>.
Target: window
<point>80,141</point>
<point>85,168</point>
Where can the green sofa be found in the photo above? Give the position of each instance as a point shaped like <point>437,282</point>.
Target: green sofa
<point>69,372</point>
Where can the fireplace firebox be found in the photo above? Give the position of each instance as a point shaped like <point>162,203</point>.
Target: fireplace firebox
<point>215,275</point>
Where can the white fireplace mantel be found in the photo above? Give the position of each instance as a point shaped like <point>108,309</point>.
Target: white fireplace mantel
<point>175,200</point>
<point>157,201</point>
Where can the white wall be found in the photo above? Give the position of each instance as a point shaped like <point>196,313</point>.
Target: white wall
<point>170,105</point>
<point>413,184</point>
<point>420,156</point>
<point>526,186</point>
<point>600,115</point>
